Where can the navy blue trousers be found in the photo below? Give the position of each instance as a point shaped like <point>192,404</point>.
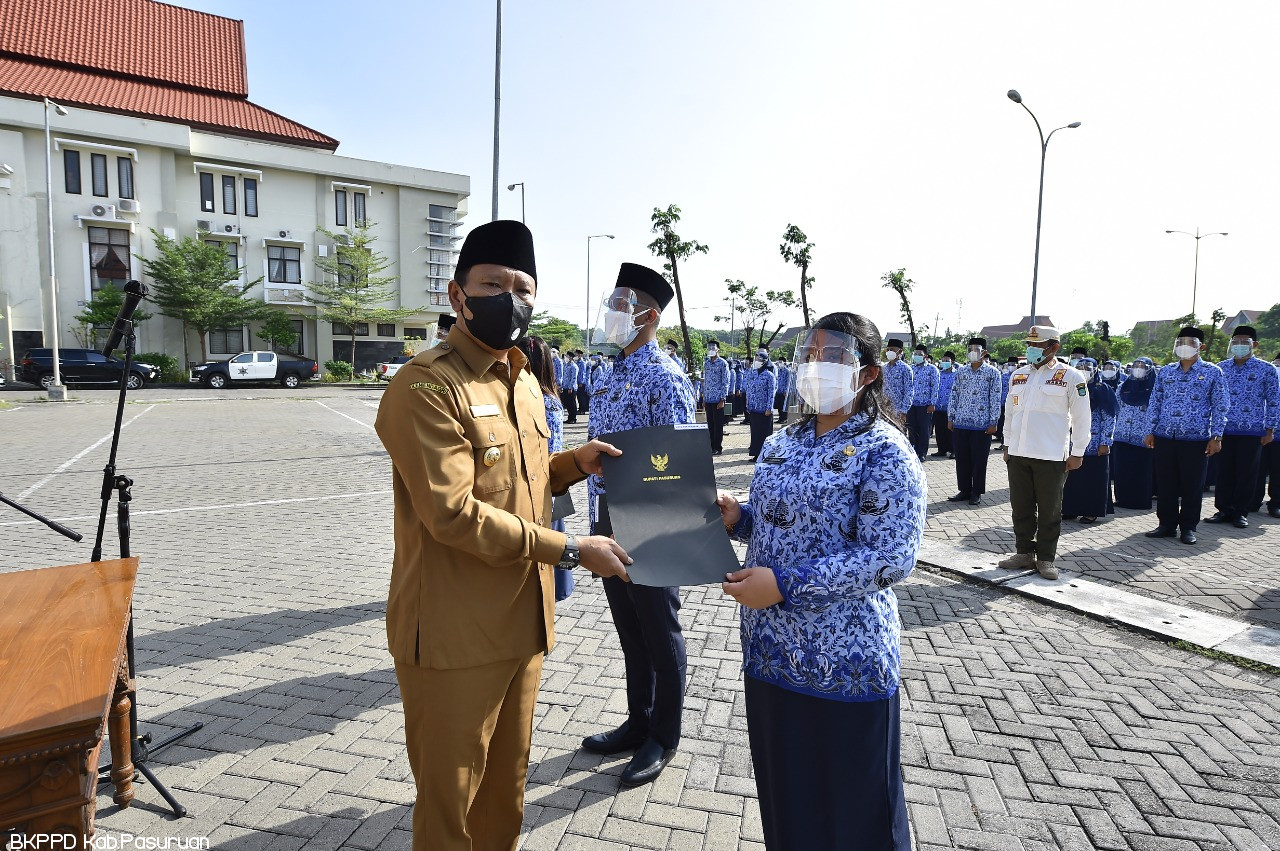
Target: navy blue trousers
<point>1180,469</point>
<point>761,427</point>
<point>1238,464</point>
<point>972,449</point>
<point>1268,481</point>
<point>828,773</point>
<point>919,423</point>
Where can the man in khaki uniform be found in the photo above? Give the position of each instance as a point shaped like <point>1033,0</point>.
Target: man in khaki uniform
<point>471,605</point>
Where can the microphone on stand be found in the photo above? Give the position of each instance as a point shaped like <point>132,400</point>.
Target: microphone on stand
<point>134,293</point>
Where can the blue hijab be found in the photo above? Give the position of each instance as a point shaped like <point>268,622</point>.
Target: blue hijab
<point>1114,383</point>
<point>1101,397</point>
<point>1137,391</point>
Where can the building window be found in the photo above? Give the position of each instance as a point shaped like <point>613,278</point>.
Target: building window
<point>71,169</point>
<point>232,249</point>
<point>124,171</point>
<point>108,258</point>
<point>341,329</point>
<point>297,343</point>
<point>358,200</point>
<point>229,194</point>
<point>98,168</point>
<point>415,333</point>
<point>251,197</point>
<point>340,207</point>
<point>438,299</point>
<point>386,329</point>
<point>226,341</point>
<point>206,192</point>
<point>284,264</point>
<point>435,211</point>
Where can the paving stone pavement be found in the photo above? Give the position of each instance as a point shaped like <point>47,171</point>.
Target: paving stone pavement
<point>264,527</point>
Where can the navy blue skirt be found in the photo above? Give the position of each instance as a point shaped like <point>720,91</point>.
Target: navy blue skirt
<point>828,773</point>
<point>1086,489</point>
<point>1135,478</point>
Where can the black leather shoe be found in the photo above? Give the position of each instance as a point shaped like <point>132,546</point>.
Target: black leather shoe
<point>1162,532</point>
<point>1188,537</point>
<point>960,497</point>
<point>647,764</point>
<point>975,500</point>
<point>1240,523</point>
<point>1218,517</point>
<point>1275,512</point>
<point>615,741</point>
<point>938,455</point>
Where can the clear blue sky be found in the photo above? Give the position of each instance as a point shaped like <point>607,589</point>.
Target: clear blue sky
<point>882,129</point>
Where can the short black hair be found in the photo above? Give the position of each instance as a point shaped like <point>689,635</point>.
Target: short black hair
<point>460,275</point>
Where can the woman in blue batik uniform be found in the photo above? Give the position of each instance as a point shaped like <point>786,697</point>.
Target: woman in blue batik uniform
<point>1086,492</point>
<point>1135,477</point>
<point>542,365</point>
<point>835,518</point>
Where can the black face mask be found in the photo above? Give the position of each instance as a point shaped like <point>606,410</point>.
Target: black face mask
<point>499,321</point>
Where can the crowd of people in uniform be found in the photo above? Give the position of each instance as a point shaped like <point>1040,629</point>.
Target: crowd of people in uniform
<point>833,520</point>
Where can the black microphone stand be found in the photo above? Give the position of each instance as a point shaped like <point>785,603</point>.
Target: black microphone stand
<point>52,524</point>
<point>140,745</point>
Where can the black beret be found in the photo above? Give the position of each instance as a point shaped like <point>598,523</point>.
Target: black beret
<point>1191,331</point>
<point>445,322</point>
<point>893,342</point>
<point>502,243</point>
<point>951,355</point>
<point>642,279</point>
<point>1245,331</point>
<point>978,341</point>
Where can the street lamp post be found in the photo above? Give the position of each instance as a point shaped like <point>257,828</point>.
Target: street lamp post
<point>57,392</point>
<point>586,329</point>
<point>1044,149</point>
<point>1195,272</point>
<point>511,188</point>
<point>497,107</point>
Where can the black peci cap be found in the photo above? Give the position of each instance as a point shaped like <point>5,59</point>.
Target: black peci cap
<point>445,322</point>
<point>642,279</point>
<point>921,347</point>
<point>1080,350</point>
<point>502,243</point>
<point>978,341</point>
<point>1245,331</point>
<point>1191,331</point>
<point>951,355</point>
<point>893,342</point>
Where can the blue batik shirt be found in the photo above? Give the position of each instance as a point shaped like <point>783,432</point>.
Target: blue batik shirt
<point>555,422</point>
<point>568,375</point>
<point>1133,424</point>
<point>925,383</point>
<point>1255,396</point>
<point>839,520</point>
<point>1004,384</point>
<point>898,381</point>
<point>946,377</point>
<point>759,385</point>
<point>597,376</point>
<point>645,388</point>
<point>1189,405</point>
<point>784,379</point>
<point>557,366</point>
<point>1102,432</point>
<point>975,398</point>
<point>715,380</point>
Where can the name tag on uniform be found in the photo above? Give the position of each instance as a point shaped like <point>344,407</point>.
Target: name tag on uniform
<point>485,411</point>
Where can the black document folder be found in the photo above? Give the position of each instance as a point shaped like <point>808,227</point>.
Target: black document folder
<point>661,495</point>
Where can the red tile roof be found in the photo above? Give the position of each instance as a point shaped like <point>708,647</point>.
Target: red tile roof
<point>218,113</point>
<point>139,57</point>
<point>135,38</point>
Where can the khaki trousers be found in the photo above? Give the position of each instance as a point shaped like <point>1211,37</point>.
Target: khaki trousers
<point>468,732</point>
<point>1035,495</point>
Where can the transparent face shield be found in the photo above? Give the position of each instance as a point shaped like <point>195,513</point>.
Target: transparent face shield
<point>619,318</point>
<point>825,373</point>
<point>1186,348</point>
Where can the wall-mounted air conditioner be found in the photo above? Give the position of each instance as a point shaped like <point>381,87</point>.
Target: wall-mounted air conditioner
<point>231,229</point>
<point>285,234</point>
<point>342,239</point>
<point>204,225</point>
<point>103,211</point>
<point>128,205</point>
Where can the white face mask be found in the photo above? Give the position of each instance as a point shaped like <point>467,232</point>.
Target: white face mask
<point>1074,360</point>
<point>1086,372</point>
<point>974,357</point>
<point>1009,367</point>
<point>1185,352</point>
<point>828,388</point>
<point>619,328</point>
<point>891,355</point>
<point>1139,372</point>
<point>713,352</point>
<point>1108,374</point>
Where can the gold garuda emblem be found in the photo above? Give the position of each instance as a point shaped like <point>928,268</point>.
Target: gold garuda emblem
<point>659,462</point>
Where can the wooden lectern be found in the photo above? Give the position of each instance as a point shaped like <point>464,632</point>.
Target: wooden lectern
<point>64,677</point>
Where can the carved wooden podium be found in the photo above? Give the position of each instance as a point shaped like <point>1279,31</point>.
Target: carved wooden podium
<point>63,679</point>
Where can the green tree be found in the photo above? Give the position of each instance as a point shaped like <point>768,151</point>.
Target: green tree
<point>1009,347</point>
<point>1268,324</point>
<point>901,284</point>
<point>193,283</point>
<point>697,344</point>
<point>350,288</point>
<point>101,312</point>
<point>559,333</point>
<point>755,309</point>
<point>797,249</point>
<point>277,329</point>
<point>670,246</point>
<point>1215,339</point>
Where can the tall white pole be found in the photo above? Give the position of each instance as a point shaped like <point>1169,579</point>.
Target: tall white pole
<point>57,392</point>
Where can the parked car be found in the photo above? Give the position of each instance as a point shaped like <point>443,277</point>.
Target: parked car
<point>386,371</point>
<point>256,367</point>
<point>84,367</point>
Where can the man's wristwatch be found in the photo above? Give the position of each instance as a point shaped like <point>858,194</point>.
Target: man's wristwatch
<point>571,557</point>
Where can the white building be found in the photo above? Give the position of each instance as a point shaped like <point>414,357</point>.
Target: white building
<point>160,134</point>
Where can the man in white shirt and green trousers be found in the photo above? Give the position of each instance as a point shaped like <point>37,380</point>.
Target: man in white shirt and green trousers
<point>1046,416</point>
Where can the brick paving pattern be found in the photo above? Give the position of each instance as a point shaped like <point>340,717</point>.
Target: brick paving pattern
<point>1024,726</point>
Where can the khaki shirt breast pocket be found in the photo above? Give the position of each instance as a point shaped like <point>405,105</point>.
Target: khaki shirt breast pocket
<point>495,462</point>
